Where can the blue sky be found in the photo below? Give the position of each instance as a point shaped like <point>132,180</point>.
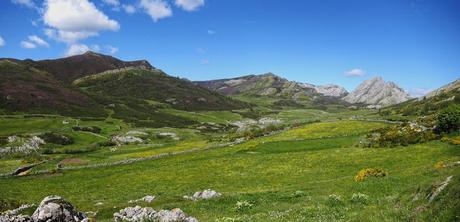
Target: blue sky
<point>415,43</point>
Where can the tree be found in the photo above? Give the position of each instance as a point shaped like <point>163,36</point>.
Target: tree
<point>449,119</point>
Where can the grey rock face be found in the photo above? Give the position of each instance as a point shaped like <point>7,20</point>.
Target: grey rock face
<point>331,90</point>
<point>54,208</point>
<point>139,214</point>
<point>376,91</point>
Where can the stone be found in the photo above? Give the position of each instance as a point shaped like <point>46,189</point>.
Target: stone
<point>55,208</point>
<point>203,195</point>
<point>140,214</point>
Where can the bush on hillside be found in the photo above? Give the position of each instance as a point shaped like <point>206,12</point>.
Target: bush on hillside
<point>56,138</point>
<point>400,135</point>
<point>370,172</point>
<point>448,120</point>
<point>92,129</point>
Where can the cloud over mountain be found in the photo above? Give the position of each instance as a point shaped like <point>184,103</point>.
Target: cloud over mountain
<point>74,20</point>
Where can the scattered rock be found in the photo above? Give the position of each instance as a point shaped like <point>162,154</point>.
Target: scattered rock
<point>126,139</point>
<point>439,189</point>
<point>27,146</point>
<point>170,135</point>
<point>55,208</point>
<point>15,218</point>
<point>203,195</point>
<point>147,199</point>
<point>139,214</point>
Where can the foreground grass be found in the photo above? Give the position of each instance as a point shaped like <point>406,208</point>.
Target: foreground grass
<point>287,177</point>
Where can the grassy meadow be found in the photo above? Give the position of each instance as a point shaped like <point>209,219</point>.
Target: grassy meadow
<point>303,173</point>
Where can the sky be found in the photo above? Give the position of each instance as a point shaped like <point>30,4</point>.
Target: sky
<point>414,43</point>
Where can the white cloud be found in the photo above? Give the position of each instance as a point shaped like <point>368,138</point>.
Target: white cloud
<point>27,3</point>
<point>211,32</point>
<point>74,20</point>
<point>157,9</point>
<point>200,50</point>
<point>418,92</point>
<point>130,9</point>
<point>355,73</point>
<point>112,2</point>
<point>68,37</point>
<point>189,5</point>
<point>111,49</point>
<point>77,49</point>
<point>28,45</point>
<point>38,41</point>
<point>2,42</point>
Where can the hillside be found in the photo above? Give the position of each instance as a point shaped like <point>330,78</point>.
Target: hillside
<point>258,85</point>
<point>27,89</point>
<point>70,68</point>
<point>85,85</point>
<point>154,85</point>
<point>431,103</point>
<point>377,93</point>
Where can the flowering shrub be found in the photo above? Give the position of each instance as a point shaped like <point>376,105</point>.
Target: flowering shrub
<point>401,135</point>
<point>243,205</point>
<point>370,172</point>
<point>359,198</point>
<point>439,165</point>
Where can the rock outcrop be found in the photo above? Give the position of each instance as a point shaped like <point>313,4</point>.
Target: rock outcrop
<point>377,93</point>
<point>203,195</point>
<point>51,209</point>
<point>55,208</point>
<point>140,214</point>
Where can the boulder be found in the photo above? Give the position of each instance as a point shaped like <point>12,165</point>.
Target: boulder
<point>204,195</point>
<point>55,208</point>
<point>139,214</point>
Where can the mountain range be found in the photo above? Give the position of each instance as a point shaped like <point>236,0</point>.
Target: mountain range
<point>98,85</point>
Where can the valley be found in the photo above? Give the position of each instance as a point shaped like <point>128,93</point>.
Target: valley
<point>275,150</point>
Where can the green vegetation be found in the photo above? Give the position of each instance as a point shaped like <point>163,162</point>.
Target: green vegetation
<point>302,174</point>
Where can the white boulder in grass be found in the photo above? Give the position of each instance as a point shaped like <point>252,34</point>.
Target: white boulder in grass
<point>203,195</point>
<point>140,214</point>
<point>54,208</point>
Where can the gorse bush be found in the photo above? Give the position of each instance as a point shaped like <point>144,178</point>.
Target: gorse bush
<point>401,135</point>
<point>370,172</point>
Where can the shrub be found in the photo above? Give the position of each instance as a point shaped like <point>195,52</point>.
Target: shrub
<point>439,165</point>
<point>93,129</point>
<point>56,138</point>
<point>359,198</point>
<point>334,200</point>
<point>449,119</point>
<point>243,205</point>
<point>370,172</point>
<point>107,143</point>
<point>401,135</point>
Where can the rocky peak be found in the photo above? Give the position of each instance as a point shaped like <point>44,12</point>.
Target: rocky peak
<point>376,91</point>
<point>327,90</point>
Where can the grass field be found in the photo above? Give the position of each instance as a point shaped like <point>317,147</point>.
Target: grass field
<point>288,176</point>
